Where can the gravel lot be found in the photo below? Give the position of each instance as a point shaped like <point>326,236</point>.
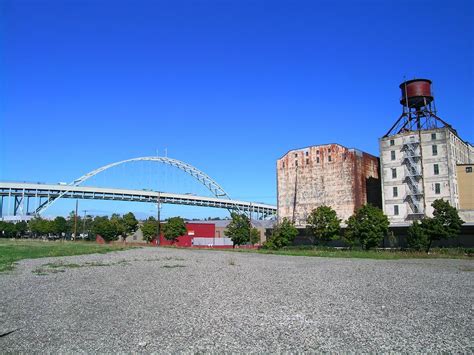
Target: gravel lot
<point>166,300</point>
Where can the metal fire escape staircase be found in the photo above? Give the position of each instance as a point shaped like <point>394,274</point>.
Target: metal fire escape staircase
<point>413,177</point>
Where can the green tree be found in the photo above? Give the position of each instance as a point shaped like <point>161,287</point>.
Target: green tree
<point>105,228</point>
<point>368,226</point>
<point>7,229</point>
<point>40,227</point>
<point>282,235</point>
<point>174,228</point>
<point>324,224</point>
<point>86,226</point>
<point>445,224</point>
<point>60,225</point>
<point>34,226</point>
<point>149,229</point>
<point>118,223</point>
<point>130,223</point>
<point>254,236</point>
<point>239,230</point>
<point>71,223</point>
<point>417,238</point>
<point>21,228</point>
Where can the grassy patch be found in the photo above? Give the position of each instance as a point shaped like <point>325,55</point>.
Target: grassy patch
<point>172,266</point>
<point>61,265</point>
<point>12,251</point>
<point>381,254</point>
<point>52,268</point>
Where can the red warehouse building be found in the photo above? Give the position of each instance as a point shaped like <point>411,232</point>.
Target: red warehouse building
<point>194,230</point>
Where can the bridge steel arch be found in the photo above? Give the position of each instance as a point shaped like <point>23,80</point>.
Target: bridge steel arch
<point>200,176</point>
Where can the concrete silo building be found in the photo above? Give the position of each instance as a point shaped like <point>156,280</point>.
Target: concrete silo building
<point>329,174</point>
<point>422,158</point>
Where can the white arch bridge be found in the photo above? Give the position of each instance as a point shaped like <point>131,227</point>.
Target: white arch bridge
<point>18,194</point>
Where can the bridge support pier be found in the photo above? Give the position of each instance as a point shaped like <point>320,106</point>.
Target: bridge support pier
<point>17,204</point>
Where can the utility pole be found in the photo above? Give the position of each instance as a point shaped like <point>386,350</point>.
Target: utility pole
<point>75,220</point>
<point>84,224</point>
<point>158,217</point>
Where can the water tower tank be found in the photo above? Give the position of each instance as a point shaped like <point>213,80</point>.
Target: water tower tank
<point>418,92</point>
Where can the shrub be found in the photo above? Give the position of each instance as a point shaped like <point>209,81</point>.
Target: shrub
<point>283,235</point>
<point>445,224</point>
<point>105,228</point>
<point>324,224</point>
<point>367,226</point>
<point>417,238</point>
<point>174,228</point>
<point>149,229</point>
<point>240,231</point>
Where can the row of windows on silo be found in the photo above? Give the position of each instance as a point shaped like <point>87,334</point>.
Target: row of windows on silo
<point>318,160</point>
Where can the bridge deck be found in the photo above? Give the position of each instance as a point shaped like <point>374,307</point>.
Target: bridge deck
<point>48,191</point>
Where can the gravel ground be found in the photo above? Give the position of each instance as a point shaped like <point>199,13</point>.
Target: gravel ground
<point>167,300</point>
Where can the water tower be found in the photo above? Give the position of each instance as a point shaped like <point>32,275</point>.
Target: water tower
<point>419,109</point>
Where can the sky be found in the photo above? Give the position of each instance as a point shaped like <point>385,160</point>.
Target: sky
<point>226,86</point>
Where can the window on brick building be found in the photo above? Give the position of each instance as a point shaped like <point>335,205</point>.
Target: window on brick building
<point>394,173</point>
<point>317,160</point>
<point>433,136</point>
<point>307,161</point>
<point>436,169</point>
<point>329,158</point>
<point>392,155</point>
<point>296,162</point>
<point>392,141</point>
<point>395,210</point>
<point>437,188</point>
<point>395,191</point>
<point>283,165</point>
<point>306,153</point>
<point>468,169</point>
<point>434,149</point>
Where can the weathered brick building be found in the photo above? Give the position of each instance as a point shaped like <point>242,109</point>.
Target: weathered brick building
<point>331,175</point>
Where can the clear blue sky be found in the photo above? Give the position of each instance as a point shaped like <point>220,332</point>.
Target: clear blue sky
<point>227,86</point>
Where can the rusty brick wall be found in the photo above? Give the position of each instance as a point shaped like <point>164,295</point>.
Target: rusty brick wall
<point>341,183</point>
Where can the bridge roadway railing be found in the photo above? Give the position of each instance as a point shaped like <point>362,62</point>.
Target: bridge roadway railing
<point>22,191</point>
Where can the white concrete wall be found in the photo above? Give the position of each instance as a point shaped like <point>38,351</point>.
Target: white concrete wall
<point>451,150</point>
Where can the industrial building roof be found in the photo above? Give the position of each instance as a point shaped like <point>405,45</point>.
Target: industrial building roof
<point>322,145</point>
<point>223,223</point>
